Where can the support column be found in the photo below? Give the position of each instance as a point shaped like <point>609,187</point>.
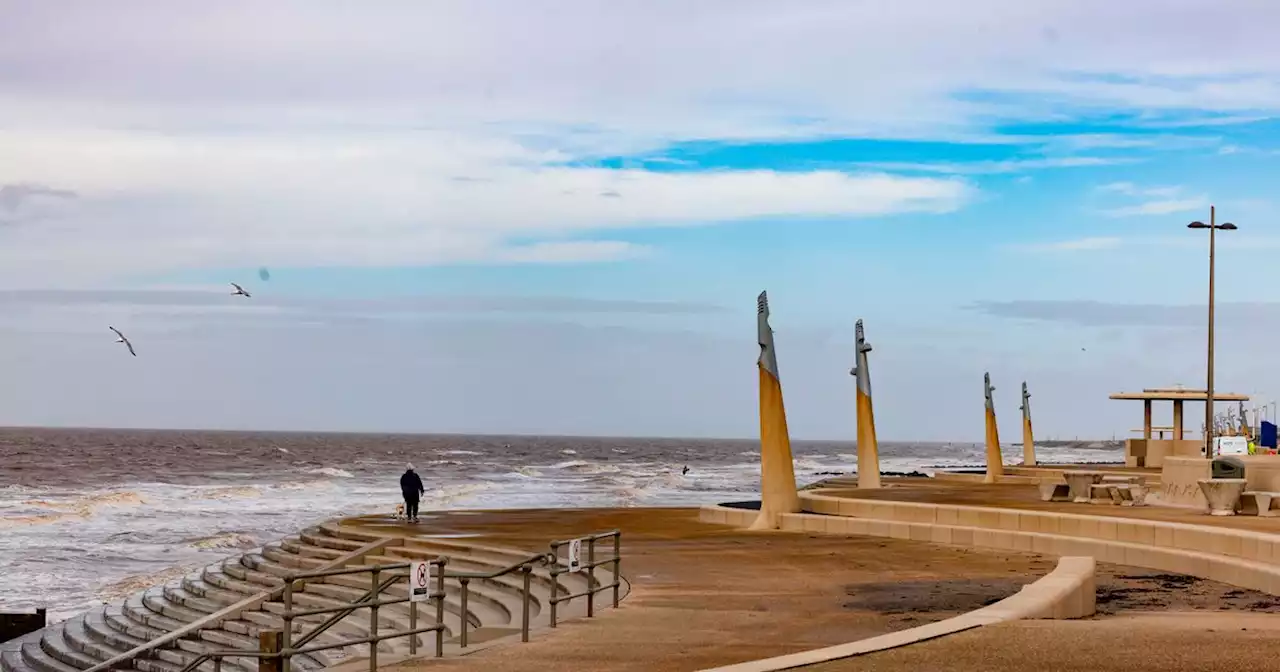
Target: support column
<point>777,471</point>
<point>1177,420</point>
<point>1028,440</point>
<point>868,448</point>
<point>995,461</point>
<point>1146,419</point>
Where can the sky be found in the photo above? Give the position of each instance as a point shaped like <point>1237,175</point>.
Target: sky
<point>510,217</point>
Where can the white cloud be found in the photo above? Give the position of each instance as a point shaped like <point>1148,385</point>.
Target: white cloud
<point>1163,200</point>
<point>1073,245</point>
<point>422,133</point>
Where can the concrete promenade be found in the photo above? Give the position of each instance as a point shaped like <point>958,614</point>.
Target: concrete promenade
<point>706,595</point>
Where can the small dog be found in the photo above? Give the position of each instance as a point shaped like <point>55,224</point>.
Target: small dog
<point>399,511</point>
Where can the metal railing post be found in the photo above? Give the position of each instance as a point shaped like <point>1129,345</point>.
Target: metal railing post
<point>217,664</point>
<point>269,643</point>
<point>527,570</point>
<point>591,577</point>
<point>617,566</point>
<point>555,581</point>
<point>413,616</point>
<point>440,607</point>
<point>466,620</point>
<point>373,621</point>
<point>287,636</point>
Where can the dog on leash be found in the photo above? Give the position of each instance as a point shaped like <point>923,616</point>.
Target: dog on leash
<point>399,511</point>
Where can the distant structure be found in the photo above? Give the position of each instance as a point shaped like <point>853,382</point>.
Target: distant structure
<point>777,473</point>
<point>868,447</point>
<point>1028,439</point>
<point>995,462</point>
<point>1149,452</point>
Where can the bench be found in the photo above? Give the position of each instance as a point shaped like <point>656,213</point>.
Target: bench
<point>1053,491</point>
<point>1259,503</point>
<point>1101,494</point>
<point>1129,480</point>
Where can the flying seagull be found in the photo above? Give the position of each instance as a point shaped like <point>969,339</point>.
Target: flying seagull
<point>124,340</point>
<point>240,291</point>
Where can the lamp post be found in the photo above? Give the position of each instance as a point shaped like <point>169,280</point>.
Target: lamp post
<point>1213,226</point>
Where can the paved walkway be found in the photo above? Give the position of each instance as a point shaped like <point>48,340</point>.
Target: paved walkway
<point>706,595</point>
<point>1168,642</point>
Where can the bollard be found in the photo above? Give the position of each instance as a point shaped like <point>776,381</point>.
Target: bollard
<point>269,642</point>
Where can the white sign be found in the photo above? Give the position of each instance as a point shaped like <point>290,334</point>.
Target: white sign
<point>575,555</point>
<point>419,582</point>
<point>1232,445</point>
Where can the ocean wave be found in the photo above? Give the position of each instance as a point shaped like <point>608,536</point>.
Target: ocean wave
<point>305,485</point>
<point>528,472</point>
<point>41,519</point>
<point>138,582</point>
<point>234,492</point>
<point>568,451</point>
<point>460,452</point>
<point>332,472</point>
<point>223,540</point>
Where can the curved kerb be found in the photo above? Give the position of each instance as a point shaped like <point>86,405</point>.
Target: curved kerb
<point>1066,592</point>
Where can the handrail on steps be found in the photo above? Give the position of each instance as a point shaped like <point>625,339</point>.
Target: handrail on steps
<point>284,649</point>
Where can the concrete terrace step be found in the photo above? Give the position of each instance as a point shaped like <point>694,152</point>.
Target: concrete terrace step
<point>298,546</point>
<point>54,643</point>
<point>175,593</point>
<point>198,587</point>
<point>315,537</point>
<point>34,657</point>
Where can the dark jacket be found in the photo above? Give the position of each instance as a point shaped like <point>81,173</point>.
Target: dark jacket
<point>411,485</point>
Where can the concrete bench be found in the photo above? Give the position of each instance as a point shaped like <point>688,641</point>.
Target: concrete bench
<point>1101,494</point>
<point>1130,480</point>
<point>1052,491</point>
<point>1258,503</point>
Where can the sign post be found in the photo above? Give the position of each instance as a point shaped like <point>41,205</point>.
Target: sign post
<point>420,582</point>
<point>575,555</point>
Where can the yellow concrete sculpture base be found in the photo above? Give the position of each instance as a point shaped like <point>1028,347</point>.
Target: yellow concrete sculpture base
<point>777,476</point>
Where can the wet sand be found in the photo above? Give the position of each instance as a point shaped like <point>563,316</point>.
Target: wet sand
<point>706,595</point>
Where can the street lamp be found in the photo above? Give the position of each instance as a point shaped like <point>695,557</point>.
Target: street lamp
<point>1213,226</point>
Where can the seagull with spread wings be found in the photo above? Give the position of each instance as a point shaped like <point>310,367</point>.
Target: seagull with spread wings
<point>239,291</point>
<point>122,339</point>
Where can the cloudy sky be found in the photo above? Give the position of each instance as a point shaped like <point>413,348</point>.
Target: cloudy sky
<point>491,216</point>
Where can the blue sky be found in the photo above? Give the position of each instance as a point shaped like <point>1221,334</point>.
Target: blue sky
<point>479,219</point>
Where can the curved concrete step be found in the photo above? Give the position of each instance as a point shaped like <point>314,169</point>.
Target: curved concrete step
<point>297,545</point>
<point>198,587</point>
<point>54,643</point>
<point>174,593</point>
<point>11,661</point>
<point>34,657</point>
<point>315,537</point>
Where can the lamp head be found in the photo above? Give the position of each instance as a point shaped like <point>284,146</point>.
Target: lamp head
<point>1197,225</point>
<point>1228,226</point>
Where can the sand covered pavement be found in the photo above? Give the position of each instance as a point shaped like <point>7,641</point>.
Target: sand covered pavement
<point>706,595</point>
<point>1200,641</point>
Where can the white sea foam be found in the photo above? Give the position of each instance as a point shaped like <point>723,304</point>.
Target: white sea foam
<point>332,472</point>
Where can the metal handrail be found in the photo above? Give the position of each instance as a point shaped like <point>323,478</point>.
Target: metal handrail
<point>369,599</point>
<point>286,650</point>
<point>590,565</point>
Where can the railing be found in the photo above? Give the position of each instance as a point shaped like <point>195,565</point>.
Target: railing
<point>287,649</point>
<point>279,648</point>
<point>590,566</point>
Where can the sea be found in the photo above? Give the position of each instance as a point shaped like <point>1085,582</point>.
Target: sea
<point>90,516</point>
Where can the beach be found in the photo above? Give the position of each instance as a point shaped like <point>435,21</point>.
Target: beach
<point>120,510</point>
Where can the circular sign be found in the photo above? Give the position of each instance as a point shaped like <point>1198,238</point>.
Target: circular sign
<point>423,575</point>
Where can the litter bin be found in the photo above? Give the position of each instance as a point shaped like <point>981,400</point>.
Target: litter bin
<point>1226,467</point>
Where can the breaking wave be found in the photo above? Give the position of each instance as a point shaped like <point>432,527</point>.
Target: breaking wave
<point>332,472</point>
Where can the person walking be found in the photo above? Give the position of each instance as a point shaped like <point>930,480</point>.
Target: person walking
<point>411,488</point>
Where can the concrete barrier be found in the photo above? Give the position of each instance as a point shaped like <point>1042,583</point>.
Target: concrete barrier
<point>1240,558</point>
<point>1069,591</point>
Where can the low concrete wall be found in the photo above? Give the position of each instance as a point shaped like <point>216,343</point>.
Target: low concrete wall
<point>1153,452</point>
<point>1238,557</point>
<point>1178,481</point>
<point>1069,591</point>
<point>13,626</point>
<point>1262,472</point>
